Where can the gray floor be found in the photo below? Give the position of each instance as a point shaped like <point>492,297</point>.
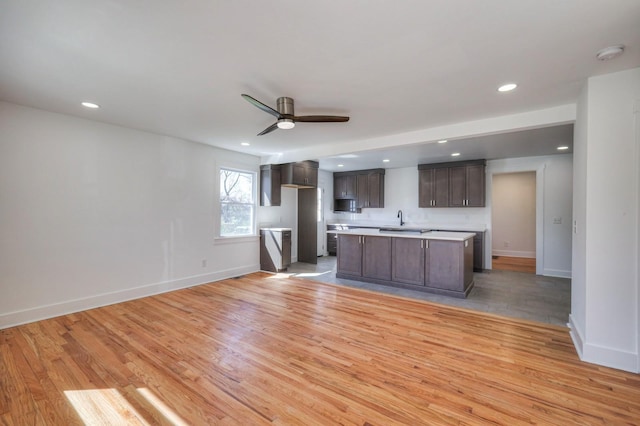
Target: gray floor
<point>512,294</point>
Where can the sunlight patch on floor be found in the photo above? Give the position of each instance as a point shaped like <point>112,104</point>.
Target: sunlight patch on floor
<point>103,407</point>
<point>167,412</point>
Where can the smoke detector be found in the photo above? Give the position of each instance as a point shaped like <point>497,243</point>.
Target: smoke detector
<point>610,52</point>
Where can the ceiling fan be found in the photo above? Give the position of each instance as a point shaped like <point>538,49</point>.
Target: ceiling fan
<point>286,117</point>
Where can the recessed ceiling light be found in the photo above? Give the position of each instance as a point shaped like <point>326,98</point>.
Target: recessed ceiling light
<point>245,143</point>
<point>455,154</point>
<point>386,160</point>
<point>340,165</point>
<point>443,141</point>
<point>563,148</point>
<point>507,87</point>
<point>610,52</point>
<point>90,105</point>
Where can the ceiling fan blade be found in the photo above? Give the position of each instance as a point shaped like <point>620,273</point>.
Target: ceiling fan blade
<point>320,119</point>
<point>262,106</point>
<point>269,129</point>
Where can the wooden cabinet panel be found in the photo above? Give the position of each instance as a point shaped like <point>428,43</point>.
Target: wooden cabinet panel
<point>408,260</point>
<point>444,264</point>
<point>433,187</point>
<point>307,225</point>
<point>363,190</point>
<point>344,187</point>
<point>478,252</point>
<point>376,257</point>
<point>438,266</point>
<point>270,192</point>
<point>459,184</point>
<point>300,174</point>
<point>350,254</point>
<point>376,190</point>
<point>332,243</point>
<point>364,186</point>
<point>475,182</point>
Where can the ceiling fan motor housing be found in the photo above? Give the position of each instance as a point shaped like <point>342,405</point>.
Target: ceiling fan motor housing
<point>285,106</point>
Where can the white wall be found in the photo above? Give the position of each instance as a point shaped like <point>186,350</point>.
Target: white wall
<point>605,324</point>
<point>92,214</point>
<point>553,200</point>
<point>554,187</point>
<point>513,219</point>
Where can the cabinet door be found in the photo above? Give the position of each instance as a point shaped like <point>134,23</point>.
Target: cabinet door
<point>344,187</point>
<point>270,194</point>
<point>440,187</point>
<point>408,260</point>
<point>299,174</point>
<point>475,186</point>
<point>311,176</point>
<point>350,255</point>
<point>446,265</point>
<point>425,188</point>
<point>339,187</point>
<point>433,187</point>
<point>376,257</point>
<point>376,190</point>
<point>363,191</point>
<point>457,186</point>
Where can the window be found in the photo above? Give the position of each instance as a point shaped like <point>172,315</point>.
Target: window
<point>237,203</point>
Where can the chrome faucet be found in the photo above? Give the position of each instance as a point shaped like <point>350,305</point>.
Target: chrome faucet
<point>400,216</point>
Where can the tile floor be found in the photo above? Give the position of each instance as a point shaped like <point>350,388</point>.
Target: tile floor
<point>512,294</point>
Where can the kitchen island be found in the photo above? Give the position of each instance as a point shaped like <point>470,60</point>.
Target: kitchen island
<point>419,259</point>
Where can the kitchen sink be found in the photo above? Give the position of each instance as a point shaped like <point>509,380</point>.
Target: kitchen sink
<point>403,229</point>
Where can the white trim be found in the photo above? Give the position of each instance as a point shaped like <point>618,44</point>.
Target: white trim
<point>576,335</point>
<point>12,319</point>
<point>559,273</point>
<point>601,355</point>
<point>540,219</point>
<point>514,253</point>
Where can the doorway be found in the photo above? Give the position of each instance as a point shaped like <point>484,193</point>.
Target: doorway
<point>513,219</point>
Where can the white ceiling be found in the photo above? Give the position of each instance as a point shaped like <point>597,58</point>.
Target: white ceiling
<point>395,67</point>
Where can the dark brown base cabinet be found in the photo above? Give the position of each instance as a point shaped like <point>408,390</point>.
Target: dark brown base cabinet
<point>436,266</point>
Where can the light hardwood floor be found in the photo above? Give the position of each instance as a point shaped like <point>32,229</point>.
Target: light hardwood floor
<point>267,350</point>
<point>516,264</point>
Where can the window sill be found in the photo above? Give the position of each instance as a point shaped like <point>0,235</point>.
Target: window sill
<point>234,240</point>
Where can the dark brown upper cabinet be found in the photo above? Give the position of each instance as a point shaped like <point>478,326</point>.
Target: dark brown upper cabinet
<point>270,185</point>
<point>370,186</point>
<point>457,184</point>
<point>303,174</point>
<point>433,186</point>
<point>366,187</point>
<point>344,187</point>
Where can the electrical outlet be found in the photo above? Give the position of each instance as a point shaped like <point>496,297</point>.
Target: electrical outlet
<point>204,263</point>
<point>557,220</point>
<point>506,243</point>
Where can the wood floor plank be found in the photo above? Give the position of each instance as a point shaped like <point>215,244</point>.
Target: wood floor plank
<point>268,350</point>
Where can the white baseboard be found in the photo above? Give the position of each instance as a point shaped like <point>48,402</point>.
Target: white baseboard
<point>513,253</point>
<point>25,316</point>
<point>556,273</point>
<point>601,355</point>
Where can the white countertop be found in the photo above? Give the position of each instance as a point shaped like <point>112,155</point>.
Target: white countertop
<point>434,235</point>
<point>467,227</point>
<point>275,229</point>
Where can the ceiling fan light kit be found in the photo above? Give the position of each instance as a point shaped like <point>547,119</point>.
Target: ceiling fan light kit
<point>610,52</point>
<point>285,115</point>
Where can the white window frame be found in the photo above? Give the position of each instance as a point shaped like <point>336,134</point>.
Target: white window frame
<point>254,205</point>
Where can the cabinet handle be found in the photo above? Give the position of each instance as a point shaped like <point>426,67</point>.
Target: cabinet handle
<point>426,243</point>
<point>363,240</point>
<point>421,244</point>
